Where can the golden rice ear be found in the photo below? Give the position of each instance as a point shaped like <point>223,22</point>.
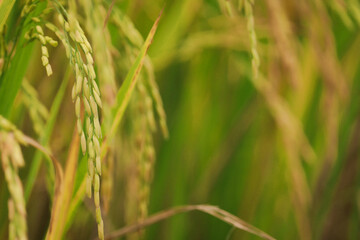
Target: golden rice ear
<point>11,160</point>
<point>85,90</point>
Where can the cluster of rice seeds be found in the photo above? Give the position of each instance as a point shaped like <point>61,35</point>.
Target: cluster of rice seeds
<point>101,42</point>
<point>38,33</point>
<point>144,144</point>
<point>38,112</point>
<point>12,159</point>
<point>95,13</point>
<point>154,89</point>
<point>85,92</point>
<point>28,7</point>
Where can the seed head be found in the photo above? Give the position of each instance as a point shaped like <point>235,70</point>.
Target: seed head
<point>39,30</point>
<point>91,71</point>
<point>44,51</point>
<point>91,149</point>
<point>45,60</point>
<point>96,145</point>
<point>97,127</point>
<point>77,107</point>
<point>83,143</point>
<point>88,185</point>
<point>89,58</point>
<point>97,200</point>
<point>79,126</point>
<point>48,70</point>
<point>79,81</point>
<point>87,106</point>
<point>42,39</point>
<point>96,183</point>
<point>97,99</point>
<point>93,106</point>
<point>95,87</point>
<point>86,88</point>
<point>91,169</point>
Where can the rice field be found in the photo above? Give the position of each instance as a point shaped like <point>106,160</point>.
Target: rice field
<point>183,119</point>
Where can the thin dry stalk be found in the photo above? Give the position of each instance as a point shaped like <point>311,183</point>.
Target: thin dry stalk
<point>211,210</point>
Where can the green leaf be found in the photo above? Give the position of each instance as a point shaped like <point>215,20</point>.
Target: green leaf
<point>5,9</point>
<point>12,77</point>
<point>125,92</point>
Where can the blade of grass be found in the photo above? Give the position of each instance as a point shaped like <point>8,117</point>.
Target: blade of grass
<point>211,210</point>
<point>124,94</point>
<point>12,79</point>
<point>5,9</point>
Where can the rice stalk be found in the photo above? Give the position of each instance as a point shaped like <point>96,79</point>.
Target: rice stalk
<point>86,92</point>
<point>12,160</point>
<point>101,42</point>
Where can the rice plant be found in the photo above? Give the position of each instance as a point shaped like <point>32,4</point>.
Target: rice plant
<point>184,119</point>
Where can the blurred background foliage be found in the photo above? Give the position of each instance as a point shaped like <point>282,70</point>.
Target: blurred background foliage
<point>282,153</point>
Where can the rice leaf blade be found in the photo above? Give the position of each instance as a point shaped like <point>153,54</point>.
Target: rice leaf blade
<point>124,94</point>
<point>5,9</point>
